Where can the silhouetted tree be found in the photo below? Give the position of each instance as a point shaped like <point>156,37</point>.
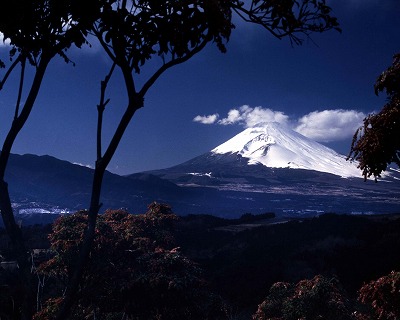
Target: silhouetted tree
<point>376,144</point>
<point>134,270</point>
<point>37,31</point>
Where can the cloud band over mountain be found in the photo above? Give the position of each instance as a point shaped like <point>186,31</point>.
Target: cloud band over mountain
<point>323,126</point>
<point>330,125</point>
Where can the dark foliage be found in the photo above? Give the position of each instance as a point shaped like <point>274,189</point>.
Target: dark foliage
<point>141,29</point>
<point>382,296</point>
<point>134,270</point>
<point>146,28</point>
<point>376,143</point>
<point>38,26</point>
<point>318,298</point>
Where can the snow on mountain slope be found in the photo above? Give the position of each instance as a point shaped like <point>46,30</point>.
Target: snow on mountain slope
<point>277,146</point>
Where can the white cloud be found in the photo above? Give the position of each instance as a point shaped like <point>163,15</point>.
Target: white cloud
<point>234,116</point>
<point>330,125</point>
<point>210,119</point>
<point>248,116</point>
<point>2,42</point>
<point>322,126</point>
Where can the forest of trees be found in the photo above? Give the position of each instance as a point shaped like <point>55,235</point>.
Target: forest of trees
<point>119,266</point>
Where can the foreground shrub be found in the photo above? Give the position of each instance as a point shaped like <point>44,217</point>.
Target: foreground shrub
<point>382,297</point>
<point>318,298</point>
<point>135,271</point>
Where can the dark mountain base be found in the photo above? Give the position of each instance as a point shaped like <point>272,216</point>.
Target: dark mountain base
<point>224,186</point>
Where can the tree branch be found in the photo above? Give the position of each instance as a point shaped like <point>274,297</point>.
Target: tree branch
<point>104,45</point>
<point>23,116</point>
<point>21,85</point>
<point>101,165</point>
<point>134,104</point>
<point>10,69</point>
<point>172,63</point>
<point>100,109</point>
<point>123,4</point>
<point>299,19</point>
<point>249,16</point>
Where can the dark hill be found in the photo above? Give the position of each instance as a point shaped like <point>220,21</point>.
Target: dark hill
<point>52,181</point>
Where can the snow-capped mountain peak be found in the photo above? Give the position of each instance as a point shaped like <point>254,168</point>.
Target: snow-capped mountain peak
<point>277,146</point>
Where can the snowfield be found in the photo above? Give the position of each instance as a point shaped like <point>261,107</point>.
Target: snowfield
<point>277,146</point>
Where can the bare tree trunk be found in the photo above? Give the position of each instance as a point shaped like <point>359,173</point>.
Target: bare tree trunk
<point>21,254</point>
<point>73,285</point>
<point>135,103</point>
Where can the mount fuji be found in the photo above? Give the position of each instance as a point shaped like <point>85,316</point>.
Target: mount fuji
<point>277,146</point>
<point>270,167</point>
<point>261,151</point>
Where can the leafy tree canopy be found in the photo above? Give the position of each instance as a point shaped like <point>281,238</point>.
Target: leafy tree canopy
<point>137,30</point>
<point>34,26</point>
<point>134,269</point>
<point>376,144</point>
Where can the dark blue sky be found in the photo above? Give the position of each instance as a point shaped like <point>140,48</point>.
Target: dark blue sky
<point>322,89</point>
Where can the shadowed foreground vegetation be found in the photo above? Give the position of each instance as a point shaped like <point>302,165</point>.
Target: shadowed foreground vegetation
<point>159,266</point>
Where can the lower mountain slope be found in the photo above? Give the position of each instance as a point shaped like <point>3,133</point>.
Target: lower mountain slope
<point>44,180</point>
<point>219,184</point>
<point>226,185</point>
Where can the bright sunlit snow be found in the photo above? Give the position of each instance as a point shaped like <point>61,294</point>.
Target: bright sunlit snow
<point>277,146</point>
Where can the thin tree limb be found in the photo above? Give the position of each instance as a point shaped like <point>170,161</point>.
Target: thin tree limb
<point>100,109</point>
<point>170,64</point>
<point>10,69</point>
<point>105,46</point>
<point>21,86</point>
<point>135,103</point>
